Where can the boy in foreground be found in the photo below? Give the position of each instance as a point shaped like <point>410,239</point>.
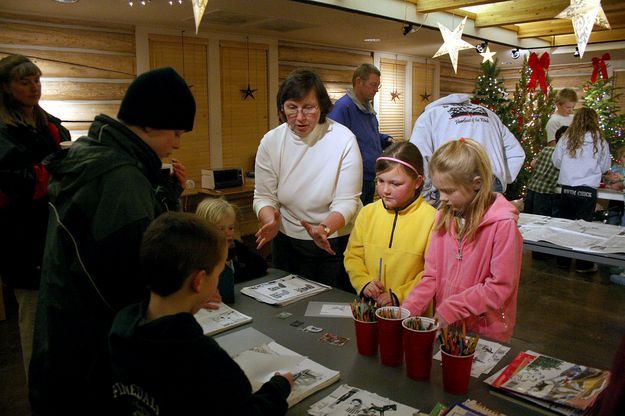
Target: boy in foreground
<point>162,363</point>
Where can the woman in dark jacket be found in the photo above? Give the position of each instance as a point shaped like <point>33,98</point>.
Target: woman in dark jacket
<point>27,135</point>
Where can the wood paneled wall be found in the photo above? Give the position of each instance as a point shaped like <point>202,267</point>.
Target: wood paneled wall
<point>86,66</point>
<point>190,62</point>
<point>392,112</point>
<point>243,121</point>
<point>461,82</point>
<point>334,67</point>
<point>422,83</point>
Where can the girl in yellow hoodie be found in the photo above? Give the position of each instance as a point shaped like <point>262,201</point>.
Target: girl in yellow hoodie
<point>386,250</point>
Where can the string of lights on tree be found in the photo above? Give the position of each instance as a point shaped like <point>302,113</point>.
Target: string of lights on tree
<point>602,97</point>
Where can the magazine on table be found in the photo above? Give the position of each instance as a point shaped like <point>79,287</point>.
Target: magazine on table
<point>352,401</point>
<point>261,357</point>
<point>471,408</point>
<point>214,321</point>
<point>557,385</point>
<point>285,290</point>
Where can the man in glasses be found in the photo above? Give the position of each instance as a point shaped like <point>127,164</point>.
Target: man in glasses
<point>355,111</point>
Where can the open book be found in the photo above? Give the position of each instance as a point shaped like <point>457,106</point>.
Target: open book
<point>347,400</point>
<point>284,291</point>
<point>560,386</point>
<point>214,321</point>
<point>260,357</point>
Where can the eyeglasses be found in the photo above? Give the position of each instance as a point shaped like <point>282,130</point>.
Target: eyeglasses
<point>292,110</point>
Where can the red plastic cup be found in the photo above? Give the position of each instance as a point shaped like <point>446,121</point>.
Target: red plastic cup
<point>418,348</point>
<point>456,372</point>
<point>389,335</point>
<point>366,337</point>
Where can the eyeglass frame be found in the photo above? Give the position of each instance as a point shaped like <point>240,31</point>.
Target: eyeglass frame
<point>307,111</point>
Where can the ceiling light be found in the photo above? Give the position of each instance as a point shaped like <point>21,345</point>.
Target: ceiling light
<point>481,47</point>
<point>373,40</point>
<point>66,1</point>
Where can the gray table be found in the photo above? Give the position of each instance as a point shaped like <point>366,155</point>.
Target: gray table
<point>356,370</point>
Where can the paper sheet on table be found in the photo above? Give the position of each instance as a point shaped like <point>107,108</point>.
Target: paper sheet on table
<point>329,309</point>
<point>487,355</point>
<point>260,367</point>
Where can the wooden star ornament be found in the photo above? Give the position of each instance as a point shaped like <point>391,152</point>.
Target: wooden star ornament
<point>453,43</point>
<point>487,55</point>
<point>584,14</point>
<point>248,92</point>
<point>425,96</point>
<point>395,95</point>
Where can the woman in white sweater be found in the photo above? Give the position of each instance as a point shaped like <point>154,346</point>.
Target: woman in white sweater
<point>308,182</point>
<point>582,156</point>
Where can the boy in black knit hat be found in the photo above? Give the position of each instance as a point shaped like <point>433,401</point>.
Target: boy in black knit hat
<point>106,190</point>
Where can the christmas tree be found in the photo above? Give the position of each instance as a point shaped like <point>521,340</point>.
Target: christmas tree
<point>527,120</point>
<point>601,96</point>
<point>489,91</point>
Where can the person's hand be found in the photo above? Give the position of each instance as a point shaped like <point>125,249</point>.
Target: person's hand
<point>180,172</point>
<point>268,231</point>
<point>374,289</point>
<point>288,376</point>
<point>442,323</point>
<point>319,236</point>
<point>385,299</point>
<point>213,302</point>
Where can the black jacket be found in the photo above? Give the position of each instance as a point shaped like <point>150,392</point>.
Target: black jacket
<point>103,197</point>
<point>168,367</point>
<point>23,214</point>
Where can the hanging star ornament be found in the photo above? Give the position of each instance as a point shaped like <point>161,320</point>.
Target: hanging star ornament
<point>198,11</point>
<point>425,96</point>
<point>487,55</point>
<point>395,95</point>
<point>452,43</point>
<point>584,14</point>
<point>248,92</point>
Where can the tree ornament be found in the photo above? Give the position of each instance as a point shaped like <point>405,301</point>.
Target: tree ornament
<point>487,55</point>
<point>539,69</point>
<point>584,14</point>
<point>248,92</point>
<point>453,43</point>
<point>598,64</point>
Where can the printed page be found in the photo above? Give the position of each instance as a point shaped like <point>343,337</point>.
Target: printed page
<point>351,401</point>
<point>214,321</point>
<point>285,290</point>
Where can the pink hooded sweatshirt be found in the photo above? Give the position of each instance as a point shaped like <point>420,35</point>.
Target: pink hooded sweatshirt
<point>478,280</point>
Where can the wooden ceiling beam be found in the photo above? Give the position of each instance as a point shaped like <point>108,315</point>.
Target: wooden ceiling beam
<point>564,26</point>
<point>525,11</point>
<point>595,37</point>
<point>427,6</point>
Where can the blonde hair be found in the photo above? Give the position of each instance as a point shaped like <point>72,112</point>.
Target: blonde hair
<point>566,95</point>
<point>214,210</point>
<point>461,161</point>
<point>585,120</point>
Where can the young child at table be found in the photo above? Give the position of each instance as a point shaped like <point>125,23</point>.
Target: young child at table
<point>565,103</point>
<point>582,155</point>
<point>162,362</point>
<point>473,264</point>
<point>386,249</point>
<point>242,263</point>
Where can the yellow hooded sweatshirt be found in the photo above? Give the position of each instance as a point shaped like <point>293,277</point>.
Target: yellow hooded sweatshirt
<point>399,238</point>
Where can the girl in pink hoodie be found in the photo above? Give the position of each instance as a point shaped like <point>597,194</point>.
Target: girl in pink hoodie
<point>473,264</point>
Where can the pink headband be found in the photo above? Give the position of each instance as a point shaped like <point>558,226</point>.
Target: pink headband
<point>392,159</point>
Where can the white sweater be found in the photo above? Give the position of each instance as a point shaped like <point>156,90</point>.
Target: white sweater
<point>586,168</point>
<point>306,178</point>
<point>452,117</point>
<point>555,122</point>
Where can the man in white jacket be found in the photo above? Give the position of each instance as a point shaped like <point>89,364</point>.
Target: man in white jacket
<point>452,117</point>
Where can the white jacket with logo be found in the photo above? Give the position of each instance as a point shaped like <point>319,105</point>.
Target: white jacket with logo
<point>452,117</point>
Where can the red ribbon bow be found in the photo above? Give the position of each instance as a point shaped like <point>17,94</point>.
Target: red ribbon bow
<point>539,69</point>
<point>598,64</point>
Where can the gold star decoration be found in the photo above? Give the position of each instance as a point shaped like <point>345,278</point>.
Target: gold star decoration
<point>425,96</point>
<point>487,55</point>
<point>198,11</point>
<point>248,92</point>
<point>453,43</point>
<point>395,95</point>
<point>584,14</point>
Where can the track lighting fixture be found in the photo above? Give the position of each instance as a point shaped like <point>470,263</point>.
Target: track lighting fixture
<point>516,53</point>
<point>481,48</point>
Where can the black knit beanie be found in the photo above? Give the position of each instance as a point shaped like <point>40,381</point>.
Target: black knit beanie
<point>159,99</point>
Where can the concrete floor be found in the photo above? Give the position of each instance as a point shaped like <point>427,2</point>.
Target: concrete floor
<point>561,312</point>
